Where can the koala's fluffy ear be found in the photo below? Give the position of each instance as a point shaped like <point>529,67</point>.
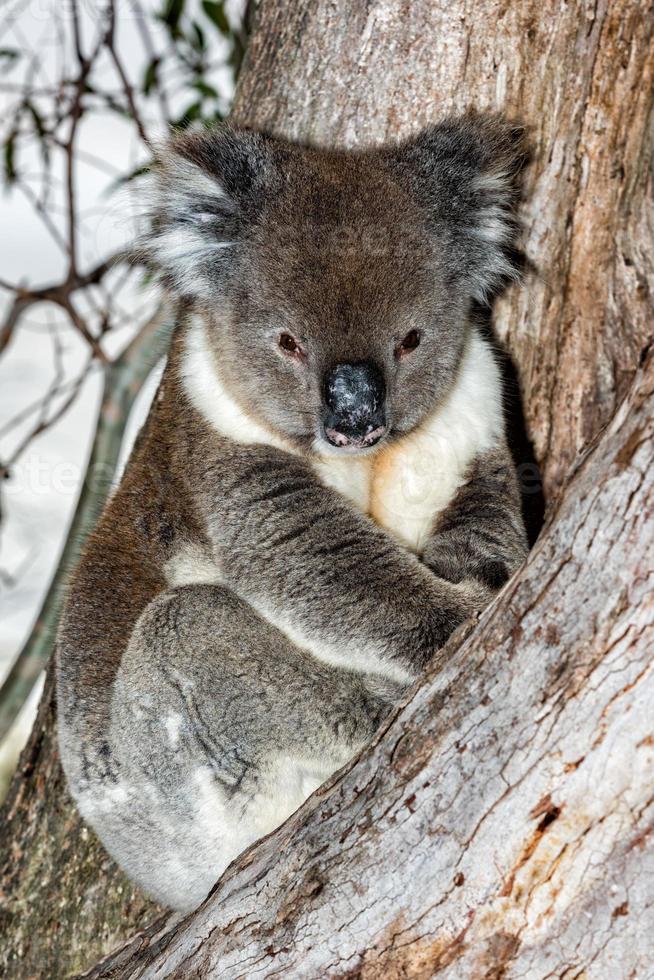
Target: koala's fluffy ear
<point>467,171</point>
<point>202,195</point>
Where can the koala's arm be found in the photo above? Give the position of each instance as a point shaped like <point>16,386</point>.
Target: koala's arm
<point>316,567</point>
<point>481,534</point>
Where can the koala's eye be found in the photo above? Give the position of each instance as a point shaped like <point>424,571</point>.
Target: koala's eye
<point>409,343</point>
<point>290,345</point>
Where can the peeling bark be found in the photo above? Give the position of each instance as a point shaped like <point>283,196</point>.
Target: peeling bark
<point>501,823</point>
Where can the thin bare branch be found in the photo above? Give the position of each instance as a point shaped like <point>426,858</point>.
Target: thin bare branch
<point>127,86</point>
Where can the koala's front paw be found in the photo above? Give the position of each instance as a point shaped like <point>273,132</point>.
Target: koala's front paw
<point>453,566</point>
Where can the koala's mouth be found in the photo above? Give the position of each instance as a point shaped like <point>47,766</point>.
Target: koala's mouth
<point>355,442</point>
<point>334,442</point>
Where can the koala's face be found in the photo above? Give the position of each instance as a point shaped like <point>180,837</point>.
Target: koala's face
<point>343,329</point>
<point>337,286</point>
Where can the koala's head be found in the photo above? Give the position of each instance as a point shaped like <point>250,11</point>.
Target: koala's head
<point>337,286</point>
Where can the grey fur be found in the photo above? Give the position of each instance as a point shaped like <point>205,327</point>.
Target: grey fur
<point>252,603</point>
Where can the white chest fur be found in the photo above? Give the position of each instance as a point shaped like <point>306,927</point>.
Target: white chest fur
<point>406,484</point>
<point>412,480</point>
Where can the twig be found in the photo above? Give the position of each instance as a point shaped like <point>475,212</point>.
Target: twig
<point>53,392</point>
<point>148,45</point>
<point>127,87</point>
<point>58,293</point>
<point>82,328</point>
<point>45,421</point>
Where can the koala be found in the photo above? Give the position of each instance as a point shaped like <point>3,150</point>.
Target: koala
<point>321,494</point>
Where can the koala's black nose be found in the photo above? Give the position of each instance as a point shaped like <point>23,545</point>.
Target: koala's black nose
<point>355,414</point>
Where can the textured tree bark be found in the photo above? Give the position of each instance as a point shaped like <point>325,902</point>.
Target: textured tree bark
<point>498,827</point>
<point>502,824</point>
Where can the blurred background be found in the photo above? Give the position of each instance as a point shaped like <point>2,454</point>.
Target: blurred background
<point>87,91</point>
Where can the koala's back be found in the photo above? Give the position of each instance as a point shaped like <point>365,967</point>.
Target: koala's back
<point>120,572</point>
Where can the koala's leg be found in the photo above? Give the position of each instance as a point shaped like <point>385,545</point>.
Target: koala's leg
<point>220,728</point>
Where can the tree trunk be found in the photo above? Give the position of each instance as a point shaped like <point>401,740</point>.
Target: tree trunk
<point>498,826</point>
